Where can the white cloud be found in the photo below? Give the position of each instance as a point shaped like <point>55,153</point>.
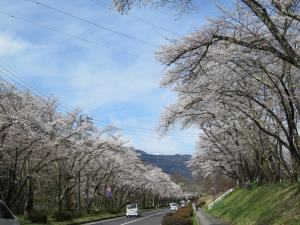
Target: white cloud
<point>148,140</point>
<point>9,45</point>
<point>95,78</point>
<point>167,145</point>
<point>94,87</point>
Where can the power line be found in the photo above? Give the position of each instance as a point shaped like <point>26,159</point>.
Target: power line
<point>134,127</point>
<point>106,46</point>
<point>20,84</point>
<point>33,87</point>
<point>166,163</point>
<point>133,130</point>
<point>138,128</point>
<point>92,23</point>
<point>165,160</point>
<point>28,86</point>
<point>156,135</point>
<point>129,130</point>
<point>154,25</point>
<point>145,132</point>
<point>177,137</point>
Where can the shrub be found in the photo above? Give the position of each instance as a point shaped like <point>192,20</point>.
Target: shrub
<point>201,204</point>
<point>63,216</point>
<point>77,214</point>
<point>148,207</point>
<point>186,212</point>
<point>37,217</point>
<point>176,220</point>
<point>114,211</point>
<point>94,212</point>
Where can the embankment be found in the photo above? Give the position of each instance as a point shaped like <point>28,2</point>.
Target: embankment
<point>278,204</point>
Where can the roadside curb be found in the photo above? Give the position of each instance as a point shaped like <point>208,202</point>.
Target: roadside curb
<point>96,220</point>
<point>195,211</point>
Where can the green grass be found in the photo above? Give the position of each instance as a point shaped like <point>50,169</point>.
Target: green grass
<point>194,219</point>
<point>83,219</point>
<point>278,204</point>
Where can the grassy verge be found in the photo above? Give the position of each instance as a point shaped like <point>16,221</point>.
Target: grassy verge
<point>278,204</point>
<point>195,220</point>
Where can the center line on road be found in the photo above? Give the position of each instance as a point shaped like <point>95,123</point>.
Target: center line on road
<point>142,218</point>
<point>101,221</point>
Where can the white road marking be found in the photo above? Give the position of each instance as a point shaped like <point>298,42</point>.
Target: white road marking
<point>118,218</point>
<point>100,221</point>
<point>142,218</point>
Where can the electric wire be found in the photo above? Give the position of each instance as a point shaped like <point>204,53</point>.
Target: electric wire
<point>15,78</point>
<point>154,25</point>
<point>145,21</point>
<point>104,45</point>
<point>129,130</point>
<point>126,131</point>
<point>92,23</point>
<point>145,131</point>
<point>53,29</point>
<point>22,82</point>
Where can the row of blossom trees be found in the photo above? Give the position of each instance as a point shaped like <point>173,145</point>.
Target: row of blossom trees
<point>54,161</point>
<point>237,79</point>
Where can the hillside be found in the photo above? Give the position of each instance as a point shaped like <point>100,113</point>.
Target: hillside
<point>263,205</point>
<point>171,164</point>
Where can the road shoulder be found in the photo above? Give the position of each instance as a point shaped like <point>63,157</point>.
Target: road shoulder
<point>206,219</point>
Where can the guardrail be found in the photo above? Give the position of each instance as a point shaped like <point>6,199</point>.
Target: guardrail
<point>220,198</point>
<point>195,211</point>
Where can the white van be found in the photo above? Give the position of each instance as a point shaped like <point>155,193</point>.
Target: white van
<point>133,210</point>
<point>174,206</point>
<point>6,216</point>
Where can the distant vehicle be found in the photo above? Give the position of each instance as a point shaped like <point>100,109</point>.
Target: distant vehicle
<point>6,215</point>
<point>174,206</point>
<point>182,204</point>
<point>133,210</point>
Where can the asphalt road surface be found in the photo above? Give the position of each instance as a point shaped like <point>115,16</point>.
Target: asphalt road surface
<point>147,218</point>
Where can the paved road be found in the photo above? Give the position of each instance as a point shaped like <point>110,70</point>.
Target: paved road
<point>147,218</point>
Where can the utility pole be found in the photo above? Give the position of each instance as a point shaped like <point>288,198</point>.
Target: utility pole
<point>214,198</point>
<point>79,178</point>
<point>78,192</point>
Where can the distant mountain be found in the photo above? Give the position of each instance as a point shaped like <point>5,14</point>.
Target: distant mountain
<point>170,164</point>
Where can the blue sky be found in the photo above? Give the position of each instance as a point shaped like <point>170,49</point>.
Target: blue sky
<point>112,78</point>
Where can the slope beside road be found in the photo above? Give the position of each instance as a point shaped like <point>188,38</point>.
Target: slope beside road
<point>277,204</point>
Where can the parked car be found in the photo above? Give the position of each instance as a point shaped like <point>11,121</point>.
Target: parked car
<point>174,206</point>
<point>133,210</point>
<point>6,215</point>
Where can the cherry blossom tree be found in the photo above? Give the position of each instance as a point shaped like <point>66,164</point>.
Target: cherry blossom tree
<point>237,79</point>
<point>53,161</point>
